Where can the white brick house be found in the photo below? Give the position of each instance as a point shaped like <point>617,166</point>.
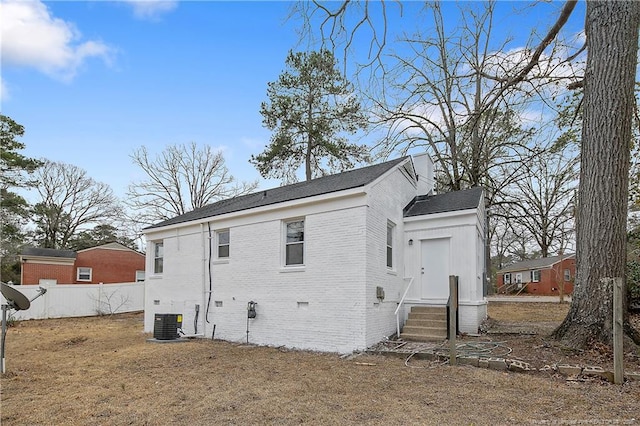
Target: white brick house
<point>315,256</point>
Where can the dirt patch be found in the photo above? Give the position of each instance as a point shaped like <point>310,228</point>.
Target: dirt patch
<point>102,371</point>
<point>526,329</point>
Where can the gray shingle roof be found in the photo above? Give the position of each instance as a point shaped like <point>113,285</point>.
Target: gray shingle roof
<point>323,185</point>
<point>526,265</point>
<point>47,252</point>
<point>447,202</point>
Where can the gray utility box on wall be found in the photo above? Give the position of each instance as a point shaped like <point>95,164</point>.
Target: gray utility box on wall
<point>165,326</point>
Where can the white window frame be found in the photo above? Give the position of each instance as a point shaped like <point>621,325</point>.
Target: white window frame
<point>287,244</point>
<point>139,276</point>
<point>567,275</point>
<point>158,270</point>
<point>519,278</point>
<point>390,252</point>
<point>79,271</point>
<point>507,278</point>
<point>533,275</point>
<point>219,244</point>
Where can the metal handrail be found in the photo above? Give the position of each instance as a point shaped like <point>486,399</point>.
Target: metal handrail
<point>401,302</point>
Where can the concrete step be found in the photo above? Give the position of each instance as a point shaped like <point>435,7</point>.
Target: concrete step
<point>429,310</point>
<point>425,331</point>
<point>425,323</point>
<point>435,323</point>
<point>428,316</point>
<point>420,337</point>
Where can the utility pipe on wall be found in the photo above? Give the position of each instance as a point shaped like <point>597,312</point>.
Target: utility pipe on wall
<point>204,281</point>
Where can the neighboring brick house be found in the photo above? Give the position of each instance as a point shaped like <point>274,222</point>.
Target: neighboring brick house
<point>546,276</point>
<point>108,263</point>
<point>330,261</point>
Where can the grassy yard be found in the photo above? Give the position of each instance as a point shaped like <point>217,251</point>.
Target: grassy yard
<point>102,371</point>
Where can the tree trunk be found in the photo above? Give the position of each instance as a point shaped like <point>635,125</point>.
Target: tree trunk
<point>612,40</point>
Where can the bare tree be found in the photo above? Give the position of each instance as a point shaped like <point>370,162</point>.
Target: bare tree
<point>69,201</point>
<point>180,179</point>
<point>109,303</point>
<point>542,200</point>
<point>608,105</point>
<point>612,40</point>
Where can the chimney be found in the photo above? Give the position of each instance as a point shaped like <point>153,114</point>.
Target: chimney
<point>424,169</point>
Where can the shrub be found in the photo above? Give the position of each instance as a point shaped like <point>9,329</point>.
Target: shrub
<point>633,281</point>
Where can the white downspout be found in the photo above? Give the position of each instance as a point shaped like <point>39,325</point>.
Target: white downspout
<point>203,307</point>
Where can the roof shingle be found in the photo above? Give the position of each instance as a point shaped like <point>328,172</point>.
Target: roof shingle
<point>545,262</point>
<point>48,252</point>
<point>323,185</point>
<point>447,202</point>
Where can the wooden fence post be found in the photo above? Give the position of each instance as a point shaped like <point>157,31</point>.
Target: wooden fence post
<point>453,326</point>
<point>618,332</point>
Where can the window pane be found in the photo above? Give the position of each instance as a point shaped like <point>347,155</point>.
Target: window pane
<point>223,251</point>
<point>84,273</point>
<point>295,231</point>
<point>157,261</point>
<point>223,237</point>
<point>390,232</point>
<point>567,275</point>
<point>157,267</point>
<point>294,254</point>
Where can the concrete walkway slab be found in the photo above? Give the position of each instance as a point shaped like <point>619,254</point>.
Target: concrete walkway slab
<point>526,299</point>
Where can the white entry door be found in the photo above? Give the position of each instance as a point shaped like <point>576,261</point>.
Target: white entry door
<point>435,268</point>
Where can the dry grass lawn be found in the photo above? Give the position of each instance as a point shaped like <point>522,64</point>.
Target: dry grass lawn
<point>102,371</point>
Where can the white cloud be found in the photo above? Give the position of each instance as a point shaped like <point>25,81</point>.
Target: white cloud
<point>4,91</point>
<point>151,9</point>
<point>32,37</point>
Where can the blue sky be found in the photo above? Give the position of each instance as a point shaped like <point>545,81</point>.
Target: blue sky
<point>94,80</point>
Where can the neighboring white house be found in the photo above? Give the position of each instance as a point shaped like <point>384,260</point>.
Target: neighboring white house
<point>327,261</point>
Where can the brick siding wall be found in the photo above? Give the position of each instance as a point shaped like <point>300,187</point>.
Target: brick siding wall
<point>109,266</point>
<point>32,273</point>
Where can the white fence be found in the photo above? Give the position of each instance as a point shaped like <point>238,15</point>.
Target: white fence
<point>80,300</point>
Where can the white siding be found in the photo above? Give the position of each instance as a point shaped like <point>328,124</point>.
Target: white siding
<point>329,303</point>
<point>387,200</point>
<point>464,231</point>
<point>182,276</point>
<point>319,306</point>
